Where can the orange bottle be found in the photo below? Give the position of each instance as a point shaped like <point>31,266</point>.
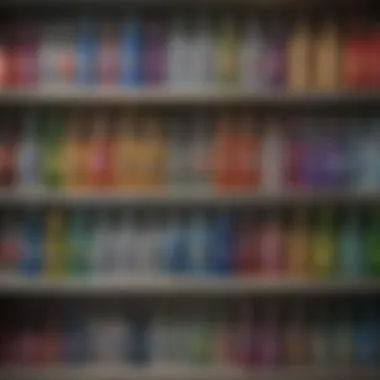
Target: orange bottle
<point>98,162</point>
<point>248,155</point>
<point>223,153</point>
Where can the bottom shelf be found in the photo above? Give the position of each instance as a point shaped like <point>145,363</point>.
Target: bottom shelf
<point>115,372</point>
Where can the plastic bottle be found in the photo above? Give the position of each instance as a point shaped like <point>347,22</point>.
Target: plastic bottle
<point>4,61</point>
<point>316,150</point>
<point>271,245</point>
<point>55,245</point>
<point>13,253</point>
<point>199,244</point>
<point>323,253</point>
<point>351,245</point>
<point>353,156</point>
<point>251,52</point>
<point>47,55</point>
<point>7,155</point>
<point>139,339</point>
<point>298,247</point>
<point>124,244</point>
<point>227,51</point>
<point>28,168</point>
<point>372,245</point>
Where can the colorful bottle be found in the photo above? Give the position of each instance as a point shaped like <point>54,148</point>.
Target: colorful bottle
<point>227,52</point>
<point>131,52</point>
<point>4,61</point>
<point>298,245</point>
<point>323,252</point>
<point>28,168</point>
<point>351,247</point>
<point>372,245</point>
<point>7,156</point>
<point>271,245</point>
<point>55,244</point>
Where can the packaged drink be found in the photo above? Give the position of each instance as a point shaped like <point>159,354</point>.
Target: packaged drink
<point>372,245</point>
<point>374,51</point>
<point>343,336</point>
<point>131,46</point>
<point>351,246</point>
<point>78,243</point>
<point>86,53</point>
<point>139,339</point>
<point>367,333</point>
<point>7,155</point>
<point>272,156</point>
<point>251,52</point>
<point>323,251</point>
<point>299,56</point>
<point>227,52</point>
<point>74,154</point>
<point>326,57</point>
<point>223,237</point>
<point>274,58</point>
<point>222,339</point>
<point>108,70</point>
<point>199,244</point>
<point>223,151</point>
<point>50,342</point>
<point>75,338</point>
<point>28,166</point>
<point>353,157</point>
<point>52,143</point>
<point>270,336</point>
<point>298,245</point>
<point>271,245</point>
<point>31,252</point>
<point>54,244</point>
<point>246,252</point>
<point>296,336</point>
<point>314,166</point>
<point>4,61</point>
<point>98,162</point>
<point>160,345</point>
<point>248,155</point>
<point>11,244</point>
<point>48,55</point>
<point>154,52</point>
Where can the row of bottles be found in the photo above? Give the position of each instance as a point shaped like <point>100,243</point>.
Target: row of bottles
<point>268,334</point>
<point>273,243</point>
<point>255,52</point>
<point>225,151</point>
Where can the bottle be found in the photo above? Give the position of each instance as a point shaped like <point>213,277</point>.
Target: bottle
<point>78,244</point>
<point>326,57</point>
<point>5,60</point>
<point>251,53</point>
<point>7,156</point>
<point>54,245</point>
<point>86,53</point>
<point>323,253</point>
<point>372,244</point>
<point>298,247</point>
<point>13,255</point>
<point>314,167</point>
<point>299,56</point>
<point>353,157</point>
<point>222,242</point>
<point>351,248</point>
<point>98,161</point>
<point>52,141</point>
<point>198,244</point>
<point>31,257</point>
<point>28,168</point>
<point>154,52</point>
<point>131,52</point>
<point>227,52</point>
<point>271,245</point>
<point>296,344</point>
<point>223,153</point>
<point>48,54</point>
<point>50,342</point>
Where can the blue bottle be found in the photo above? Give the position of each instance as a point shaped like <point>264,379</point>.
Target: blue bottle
<point>32,244</point>
<point>87,51</point>
<point>350,247</point>
<point>367,340</point>
<point>222,242</point>
<point>131,53</point>
<point>198,244</point>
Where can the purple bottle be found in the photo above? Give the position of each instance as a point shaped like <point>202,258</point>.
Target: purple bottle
<point>154,53</point>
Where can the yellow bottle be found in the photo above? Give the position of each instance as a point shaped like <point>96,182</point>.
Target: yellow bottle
<point>298,245</point>
<point>298,56</point>
<point>54,244</point>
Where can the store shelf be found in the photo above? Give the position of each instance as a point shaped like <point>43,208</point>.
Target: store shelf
<point>166,285</point>
<point>167,97</point>
<point>186,196</point>
<point>186,373</point>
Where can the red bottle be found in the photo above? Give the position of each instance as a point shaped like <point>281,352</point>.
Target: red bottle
<point>7,156</point>
<point>4,63</point>
<point>373,56</point>
<point>50,344</point>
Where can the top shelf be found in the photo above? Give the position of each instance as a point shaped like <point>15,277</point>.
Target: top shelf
<point>169,97</point>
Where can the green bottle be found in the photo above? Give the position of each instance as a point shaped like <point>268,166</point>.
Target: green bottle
<point>52,150</point>
<point>324,244</point>
<point>372,245</point>
<point>78,243</point>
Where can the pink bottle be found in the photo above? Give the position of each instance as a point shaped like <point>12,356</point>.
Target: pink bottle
<point>271,246</point>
